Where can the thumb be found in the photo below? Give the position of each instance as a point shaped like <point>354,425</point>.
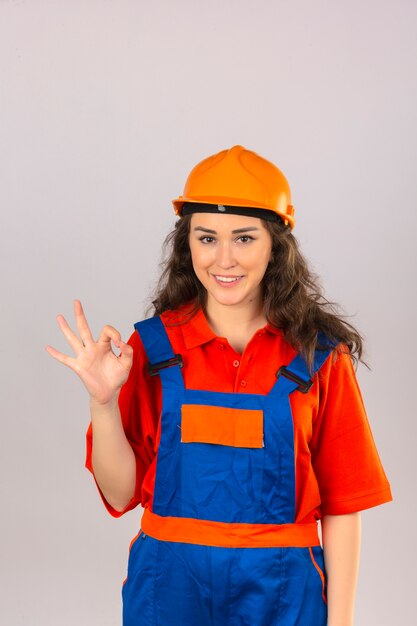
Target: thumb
<point>126,354</point>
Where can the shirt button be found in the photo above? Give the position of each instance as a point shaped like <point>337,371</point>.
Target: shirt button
<point>243,383</point>
<point>236,363</point>
<point>221,345</point>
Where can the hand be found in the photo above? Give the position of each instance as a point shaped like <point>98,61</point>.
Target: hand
<point>100,369</point>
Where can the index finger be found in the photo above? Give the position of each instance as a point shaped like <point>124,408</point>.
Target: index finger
<point>83,327</point>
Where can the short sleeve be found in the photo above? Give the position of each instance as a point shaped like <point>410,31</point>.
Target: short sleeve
<point>344,456</point>
<point>138,410</point>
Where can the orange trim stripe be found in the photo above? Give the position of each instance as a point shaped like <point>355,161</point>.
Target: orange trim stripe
<point>320,571</point>
<point>234,535</point>
<point>241,428</point>
<point>135,538</point>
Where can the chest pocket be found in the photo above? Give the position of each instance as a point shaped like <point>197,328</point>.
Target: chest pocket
<point>221,457</point>
<point>225,426</point>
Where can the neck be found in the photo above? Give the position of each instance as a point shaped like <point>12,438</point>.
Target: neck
<point>244,316</point>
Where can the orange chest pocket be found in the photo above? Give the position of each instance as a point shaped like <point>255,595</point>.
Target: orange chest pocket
<point>241,428</point>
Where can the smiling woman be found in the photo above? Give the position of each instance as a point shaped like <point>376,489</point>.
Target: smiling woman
<point>234,417</point>
<point>230,254</point>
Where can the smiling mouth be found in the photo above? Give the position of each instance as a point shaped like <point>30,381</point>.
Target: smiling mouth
<point>227,280</point>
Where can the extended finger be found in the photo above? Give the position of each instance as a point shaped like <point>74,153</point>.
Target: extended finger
<point>74,341</point>
<point>59,356</point>
<point>83,327</point>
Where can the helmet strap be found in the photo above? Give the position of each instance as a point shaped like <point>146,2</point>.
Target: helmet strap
<point>201,207</point>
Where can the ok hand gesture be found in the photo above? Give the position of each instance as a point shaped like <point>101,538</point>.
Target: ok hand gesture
<point>102,372</point>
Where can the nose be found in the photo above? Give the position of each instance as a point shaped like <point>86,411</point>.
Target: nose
<point>225,256</point>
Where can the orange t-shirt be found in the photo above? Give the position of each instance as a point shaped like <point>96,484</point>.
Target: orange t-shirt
<point>337,466</point>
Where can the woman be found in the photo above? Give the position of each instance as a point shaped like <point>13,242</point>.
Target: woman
<point>233,415</point>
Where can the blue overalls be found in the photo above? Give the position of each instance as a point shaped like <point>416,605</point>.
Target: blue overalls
<point>231,495</point>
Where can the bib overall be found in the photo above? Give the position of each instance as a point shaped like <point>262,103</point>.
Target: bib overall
<point>221,546</point>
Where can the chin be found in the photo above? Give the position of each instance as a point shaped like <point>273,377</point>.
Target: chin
<point>227,299</point>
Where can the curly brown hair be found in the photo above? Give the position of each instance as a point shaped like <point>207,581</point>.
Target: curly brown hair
<point>292,294</point>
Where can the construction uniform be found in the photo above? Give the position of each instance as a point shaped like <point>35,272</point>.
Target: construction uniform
<point>238,456</point>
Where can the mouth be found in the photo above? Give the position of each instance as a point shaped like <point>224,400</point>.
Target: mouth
<point>227,281</point>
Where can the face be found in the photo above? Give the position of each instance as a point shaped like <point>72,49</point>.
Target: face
<point>230,254</point>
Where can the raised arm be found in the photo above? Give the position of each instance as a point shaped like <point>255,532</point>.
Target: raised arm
<point>103,374</point>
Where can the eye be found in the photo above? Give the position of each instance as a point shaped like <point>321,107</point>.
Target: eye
<point>245,238</point>
<point>206,239</point>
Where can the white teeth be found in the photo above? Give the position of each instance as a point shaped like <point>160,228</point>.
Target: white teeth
<point>223,279</point>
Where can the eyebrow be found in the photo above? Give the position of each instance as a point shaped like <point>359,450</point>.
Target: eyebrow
<point>234,232</point>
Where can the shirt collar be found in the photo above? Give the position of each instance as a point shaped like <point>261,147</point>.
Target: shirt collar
<point>273,329</point>
<point>196,330</point>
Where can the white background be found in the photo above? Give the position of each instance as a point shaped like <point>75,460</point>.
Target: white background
<point>105,108</point>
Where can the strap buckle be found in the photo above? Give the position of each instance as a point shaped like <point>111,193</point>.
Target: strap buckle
<point>303,386</point>
<point>155,368</point>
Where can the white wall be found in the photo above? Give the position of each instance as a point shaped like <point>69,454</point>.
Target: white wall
<point>105,107</point>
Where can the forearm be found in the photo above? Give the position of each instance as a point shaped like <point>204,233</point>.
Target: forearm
<point>113,459</point>
<point>341,546</point>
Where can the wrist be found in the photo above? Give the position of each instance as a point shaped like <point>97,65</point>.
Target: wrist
<point>104,408</point>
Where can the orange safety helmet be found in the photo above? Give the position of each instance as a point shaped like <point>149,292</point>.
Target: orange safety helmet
<point>238,178</point>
